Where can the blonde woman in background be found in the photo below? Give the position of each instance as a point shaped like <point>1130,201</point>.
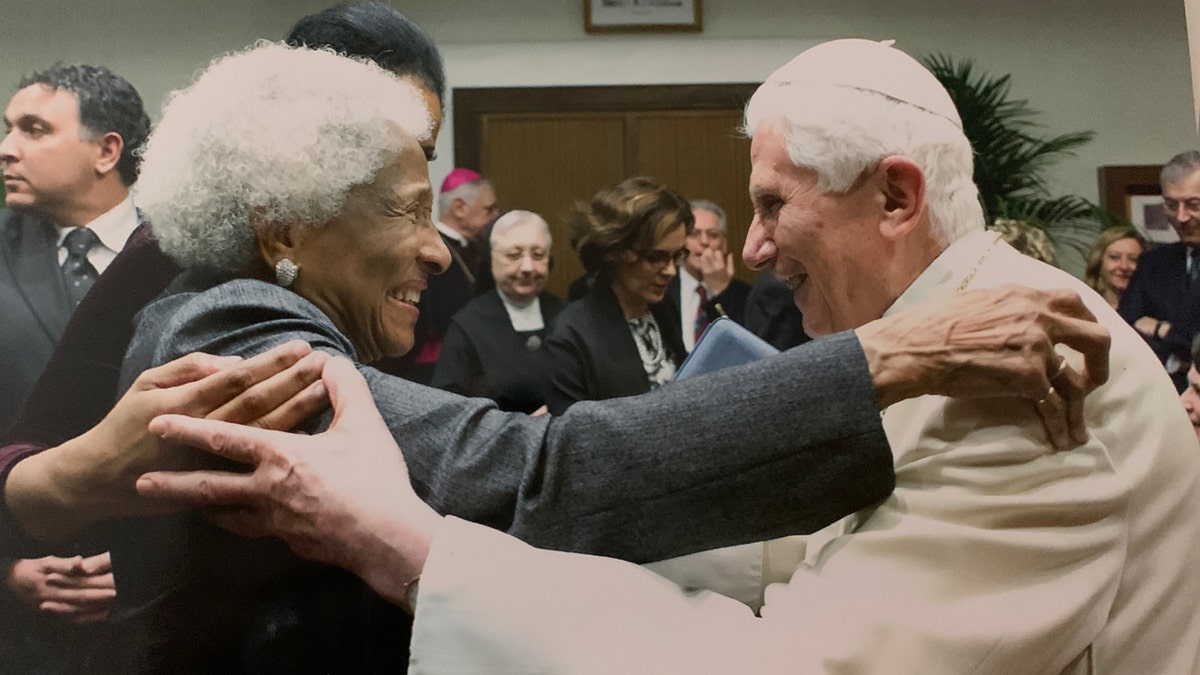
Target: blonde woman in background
<point>1112,260</point>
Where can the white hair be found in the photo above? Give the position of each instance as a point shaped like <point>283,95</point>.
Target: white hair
<point>468,192</point>
<point>842,132</point>
<point>274,133</point>
<point>516,218</point>
<point>711,207</point>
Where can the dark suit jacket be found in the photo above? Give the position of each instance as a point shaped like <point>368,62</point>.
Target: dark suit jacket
<point>771,313</point>
<point>1159,288</point>
<point>731,301</point>
<point>591,353</point>
<point>483,355</point>
<point>74,392</point>
<point>33,303</point>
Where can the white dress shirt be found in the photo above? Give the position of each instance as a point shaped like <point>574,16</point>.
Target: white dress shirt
<point>113,228</point>
<point>689,304</point>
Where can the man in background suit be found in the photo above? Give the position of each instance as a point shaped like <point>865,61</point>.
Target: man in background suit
<point>705,287</point>
<point>69,159</point>
<point>466,206</point>
<point>1163,298</point>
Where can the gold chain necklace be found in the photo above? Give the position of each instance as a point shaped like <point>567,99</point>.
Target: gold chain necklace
<point>978,263</point>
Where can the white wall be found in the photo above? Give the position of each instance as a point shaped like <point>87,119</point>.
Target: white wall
<point>1118,67</point>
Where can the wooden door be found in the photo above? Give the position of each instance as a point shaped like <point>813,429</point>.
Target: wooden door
<point>544,149</point>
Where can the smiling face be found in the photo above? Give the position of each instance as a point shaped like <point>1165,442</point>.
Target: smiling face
<point>1181,203</point>
<point>1191,398</point>
<point>367,267</point>
<point>705,235</point>
<point>1118,263</point>
<point>47,161</point>
<point>521,261</point>
<point>828,247</point>
<point>641,280</point>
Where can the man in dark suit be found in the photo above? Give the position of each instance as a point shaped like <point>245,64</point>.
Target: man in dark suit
<point>705,287</point>
<point>1163,298</point>
<point>68,163</point>
<point>466,205</point>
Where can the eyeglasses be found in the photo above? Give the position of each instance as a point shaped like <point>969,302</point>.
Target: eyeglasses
<point>659,258</point>
<point>1191,206</point>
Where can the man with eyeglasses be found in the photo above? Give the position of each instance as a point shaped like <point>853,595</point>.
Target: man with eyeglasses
<point>1164,293</point>
<point>705,287</point>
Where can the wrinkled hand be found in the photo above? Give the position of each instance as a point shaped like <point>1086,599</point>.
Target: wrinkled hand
<point>716,269</point>
<point>277,389</point>
<point>56,493</point>
<point>340,497</point>
<point>79,590</point>
<point>994,343</point>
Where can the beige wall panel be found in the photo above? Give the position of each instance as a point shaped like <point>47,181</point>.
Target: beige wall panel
<point>702,156</point>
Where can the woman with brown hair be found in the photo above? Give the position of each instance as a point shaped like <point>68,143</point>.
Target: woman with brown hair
<point>1112,260</point>
<point>623,337</point>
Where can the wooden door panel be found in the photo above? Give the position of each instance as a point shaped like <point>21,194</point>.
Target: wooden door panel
<point>545,148</point>
<point>545,163</point>
<point>701,155</point>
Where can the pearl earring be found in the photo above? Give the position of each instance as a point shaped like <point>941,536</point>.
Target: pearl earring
<point>286,272</point>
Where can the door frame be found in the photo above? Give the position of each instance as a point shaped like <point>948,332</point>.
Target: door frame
<point>472,104</point>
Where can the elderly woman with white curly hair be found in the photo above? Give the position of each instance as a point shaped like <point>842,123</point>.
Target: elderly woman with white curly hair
<point>279,168</point>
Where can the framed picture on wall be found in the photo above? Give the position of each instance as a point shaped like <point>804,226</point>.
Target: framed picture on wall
<point>632,16</point>
<point>1133,191</point>
<point>1147,215</point>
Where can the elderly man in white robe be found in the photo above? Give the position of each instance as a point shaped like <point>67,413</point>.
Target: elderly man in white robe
<point>993,555</point>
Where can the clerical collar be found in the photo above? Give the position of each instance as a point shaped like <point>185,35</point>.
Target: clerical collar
<point>451,232</point>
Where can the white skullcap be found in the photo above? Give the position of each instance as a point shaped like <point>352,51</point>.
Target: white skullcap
<point>865,65</point>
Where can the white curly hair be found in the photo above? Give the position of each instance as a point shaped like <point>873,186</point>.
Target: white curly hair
<point>274,132</point>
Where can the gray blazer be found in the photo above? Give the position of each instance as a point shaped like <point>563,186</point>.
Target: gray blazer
<point>34,307</point>
<point>782,446</point>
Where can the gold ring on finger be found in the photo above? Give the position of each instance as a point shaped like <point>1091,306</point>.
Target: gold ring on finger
<point>1049,393</point>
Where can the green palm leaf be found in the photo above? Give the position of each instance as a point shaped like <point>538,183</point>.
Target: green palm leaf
<point>1011,154</point>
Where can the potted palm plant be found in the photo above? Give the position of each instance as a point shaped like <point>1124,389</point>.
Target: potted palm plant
<point>1011,156</point>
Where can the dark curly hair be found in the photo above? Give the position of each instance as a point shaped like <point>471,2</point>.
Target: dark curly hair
<point>629,216</point>
<point>375,31</point>
<point>107,103</point>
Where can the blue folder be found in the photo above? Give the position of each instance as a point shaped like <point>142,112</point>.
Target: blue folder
<point>723,344</point>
